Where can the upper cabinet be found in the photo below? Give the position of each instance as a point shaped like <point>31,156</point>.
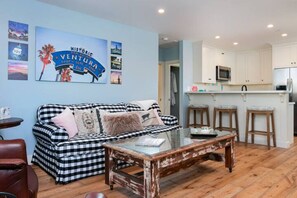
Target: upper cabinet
<point>284,55</point>
<point>266,66</point>
<point>205,60</point>
<point>204,68</point>
<point>254,67</point>
<point>247,68</point>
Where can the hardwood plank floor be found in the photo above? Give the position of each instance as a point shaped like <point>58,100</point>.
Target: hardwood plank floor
<point>258,172</point>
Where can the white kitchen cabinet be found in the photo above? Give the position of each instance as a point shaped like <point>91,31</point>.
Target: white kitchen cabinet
<point>225,58</point>
<point>248,67</point>
<point>284,55</point>
<point>204,68</point>
<point>266,66</point>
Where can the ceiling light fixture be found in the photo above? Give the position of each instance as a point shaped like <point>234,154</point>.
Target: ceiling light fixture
<point>284,34</point>
<point>165,38</point>
<point>270,26</point>
<point>217,37</point>
<point>161,11</point>
<point>235,43</point>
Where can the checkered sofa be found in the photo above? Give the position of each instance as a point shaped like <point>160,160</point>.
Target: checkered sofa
<point>81,156</point>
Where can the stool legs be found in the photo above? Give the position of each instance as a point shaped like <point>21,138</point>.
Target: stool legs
<point>189,114</point>
<point>247,127</point>
<point>236,126</point>
<point>214,118</point>
<point>195,111</point>
<point>230,113</point>
<point>273,129</point>
<point>268,129</point>
<point>269,115</point>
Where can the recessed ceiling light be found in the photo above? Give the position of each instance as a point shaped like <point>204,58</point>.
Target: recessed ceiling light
<point>161,11</point>
<point>270,26</point>
<point>284,34</point>
<point>235,43</point>
<point>217,37</point>
<point>165,38</point>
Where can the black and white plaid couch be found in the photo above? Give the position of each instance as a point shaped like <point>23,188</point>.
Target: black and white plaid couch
<point>81,156</point>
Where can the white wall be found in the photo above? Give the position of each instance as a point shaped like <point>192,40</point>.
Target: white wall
<point>140,64</point>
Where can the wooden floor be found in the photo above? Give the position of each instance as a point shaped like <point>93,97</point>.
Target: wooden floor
<point>258,172</point>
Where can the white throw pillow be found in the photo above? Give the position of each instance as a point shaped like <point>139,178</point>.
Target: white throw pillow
<point>150,118</point>
<point>86,121</point>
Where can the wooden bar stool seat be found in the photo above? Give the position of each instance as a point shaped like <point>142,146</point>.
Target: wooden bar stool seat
<point>230,110</point>
<point>268,112</point>
<point>201,109</point>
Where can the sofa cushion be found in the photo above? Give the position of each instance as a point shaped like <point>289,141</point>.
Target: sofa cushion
<point>86,121</point>
<point>67,121</point>
<point>46,112</point>
<point>119,107</point>
<point>134,107</point>
<point>117,123</point>
<point>149,118</point>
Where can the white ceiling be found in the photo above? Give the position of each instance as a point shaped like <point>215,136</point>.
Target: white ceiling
<point>242,21</point>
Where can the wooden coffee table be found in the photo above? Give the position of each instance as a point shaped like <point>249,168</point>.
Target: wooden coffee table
<point>180,150</point>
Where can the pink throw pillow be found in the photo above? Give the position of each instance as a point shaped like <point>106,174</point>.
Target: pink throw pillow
<point>67,121</point>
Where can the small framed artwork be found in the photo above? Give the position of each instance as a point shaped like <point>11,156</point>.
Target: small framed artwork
<point>116,77</point>
<point>18,31</point>
<point>17,51</point>
<point>17,71</point>
<point>116,62</point>
<point>116,48</point>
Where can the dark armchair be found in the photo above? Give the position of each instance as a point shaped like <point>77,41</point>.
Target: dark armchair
<point>16,176</point>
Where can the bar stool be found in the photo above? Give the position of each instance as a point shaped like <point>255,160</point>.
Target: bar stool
<point>269,113</point>
<point>198,109</point>
<point>230,110</point>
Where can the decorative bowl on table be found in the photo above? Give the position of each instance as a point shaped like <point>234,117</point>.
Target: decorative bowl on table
<point>203,131</point>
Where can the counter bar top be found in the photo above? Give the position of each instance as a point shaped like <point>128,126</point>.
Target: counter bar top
<point>240,92</point>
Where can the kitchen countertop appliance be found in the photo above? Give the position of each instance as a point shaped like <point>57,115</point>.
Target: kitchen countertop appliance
<point>286,79</point>
<point>223,73</point>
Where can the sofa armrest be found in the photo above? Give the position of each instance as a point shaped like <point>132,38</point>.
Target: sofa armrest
<point>12,163</point>
<point>169,120</point>
<point>50,133</point>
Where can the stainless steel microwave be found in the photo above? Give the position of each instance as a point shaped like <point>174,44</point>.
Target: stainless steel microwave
<point>223,73</point>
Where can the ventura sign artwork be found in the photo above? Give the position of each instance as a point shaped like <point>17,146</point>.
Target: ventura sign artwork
<point>79,62</point>
<point>58,60</point>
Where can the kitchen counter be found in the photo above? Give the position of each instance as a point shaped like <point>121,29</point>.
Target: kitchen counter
<point>279,100</point>
<point>240,92</point>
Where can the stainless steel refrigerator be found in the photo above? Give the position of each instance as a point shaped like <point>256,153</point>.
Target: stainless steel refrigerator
<point>286,79</point>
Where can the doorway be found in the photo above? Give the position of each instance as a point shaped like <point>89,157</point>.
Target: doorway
<point>171,89</point>
<point>174,91</point>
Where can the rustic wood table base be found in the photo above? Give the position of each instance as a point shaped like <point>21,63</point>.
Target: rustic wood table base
<point>163,164</point>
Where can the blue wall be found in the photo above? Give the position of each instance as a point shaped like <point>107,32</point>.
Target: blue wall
<point>140,64</point>
<point>169,53</point>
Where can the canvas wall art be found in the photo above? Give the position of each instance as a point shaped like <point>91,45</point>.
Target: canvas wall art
<point>68,57</point>
<point>18,31</point>
<point>116,77</point>
<point>17,51</point>
<point>17,71</point>
<point>116,48</point>
<point>116,62</point>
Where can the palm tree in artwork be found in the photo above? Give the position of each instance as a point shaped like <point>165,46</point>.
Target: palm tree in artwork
<point>45,55</point>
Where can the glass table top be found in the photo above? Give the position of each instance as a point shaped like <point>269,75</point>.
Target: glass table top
<point>170,140</point>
